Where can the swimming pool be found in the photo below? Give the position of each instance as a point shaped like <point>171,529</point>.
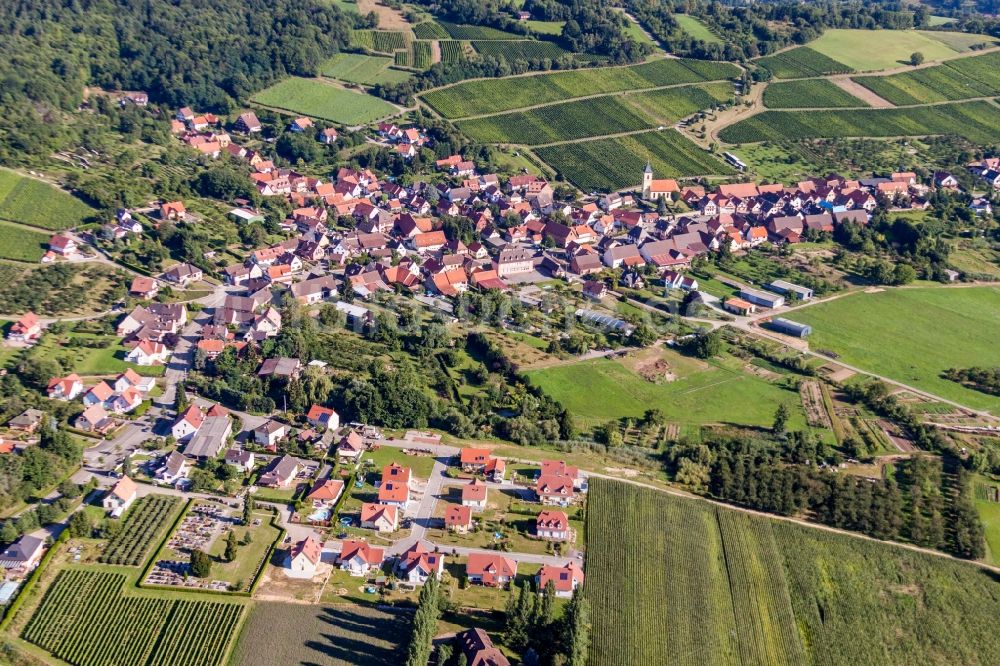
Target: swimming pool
<point>321,514</point>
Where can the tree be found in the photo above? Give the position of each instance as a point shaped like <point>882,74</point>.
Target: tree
<point>424,624</point>
<point>247,510</point>
<point>518,618</point>
<point>80,525</point>
<point>444,654</point>
<point>780,419</point>
<point>916,58</point>
<point>230,546</point>
<point>201,564</point>
<point>576,630</point>
<point>707,345</point>
<point>9,532</point>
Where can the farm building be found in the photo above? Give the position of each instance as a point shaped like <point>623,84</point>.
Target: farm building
<point>762,298</point>
<point>739,306</point>
<point>789,327</point>
<point>791,289</point>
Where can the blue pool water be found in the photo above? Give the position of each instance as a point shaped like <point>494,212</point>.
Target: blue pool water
<point>321,514</point>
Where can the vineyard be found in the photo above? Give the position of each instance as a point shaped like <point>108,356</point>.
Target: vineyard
<point>39,204</point>
<point>476,32</point>
<point>380,41</point>
<point>977,76</point>
<point>978,122</point>
<point>510,50</point>
<point>364,69</point>
<point>422,55</point>
<point>622,160</point>
<point>430,30</point>
<point>495,95</point>
<point>144,520</point>
<point>21,243</point>
<point>560,122</point>
<point>802,62</point>
<point>84,619</point>
<point>452,51</point>
<point>809,93</point>
<point>739,589</point>
<point>319,99</point>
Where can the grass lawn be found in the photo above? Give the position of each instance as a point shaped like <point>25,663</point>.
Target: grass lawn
<point>960,41</point>
<point>421,465</point>
<point>313,97</point>
<point>696,29</point>
<point>717,392</point>
<point>913,335</point>
<point>21,243</point>
<point>91,361</point>
<point>989,513</point>
<point>34,202</point>
<point>359,68</point>
<point>546,27</point>
<point>975,257</point>
<point>854,47</point>
<point>481,596</point>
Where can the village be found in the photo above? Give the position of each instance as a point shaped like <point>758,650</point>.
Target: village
<point>345,510</point>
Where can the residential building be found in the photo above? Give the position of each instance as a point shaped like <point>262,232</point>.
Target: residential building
<point>555,489</point>
<point>303,558</point>
<point>210,438</point>
<point>240,458</point>
<point>478,649</point>
<point>417,564</point>
<point>358,558</point>
<point>24,554</point>
<point>93,419</point>
<point>565,579</point>
<point>474,494</point>
<point>320,416</point>
<point>120,497</point>
<point>351,446</point>
<point>25,330</point>
<point>458,518</point>
<point>326,492</point>
<point>552,525</point>
<point>281,473</point>
<point>493,570</point>
<point>65,388</point>
<point>269,433</point>
<point>174,468</point>
<point>380,517</point>
<point>187,423</point>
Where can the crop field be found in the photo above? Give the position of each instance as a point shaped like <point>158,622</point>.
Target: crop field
<point>623,159</point>
<point>669,105</point>
<point>322,636</point>
<point>802,62</point>
<point>312,97</point>
<point>21,243</point>
<point>977,76</point>
<point>808,93</point>
<point>380,41</point>
<point>430,30</point>
<point>146,518</point>
<point>913,335</point>
<point>702,392</point>
<point>422,55</point>
<point>559,122</point>
<point>452,51</point>
<point>495,95</point>
<point>86,620</point>
<point>739,589</point>
<point>869,50</point>
<point>33,202</point>
<point>511,50</point>
<point>364,69</point>
<point>476,32</point>
<point>696,29</point>
<point>962,42</point>
<point>979,122</point>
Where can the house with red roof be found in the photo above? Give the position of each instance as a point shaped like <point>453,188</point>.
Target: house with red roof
<point>474,494</point>
<point>65,388</point>
<point>323,416</point>
<point>144,287</point>
<point>99,394</point>
<point>120,497</point>
<point>148,352</point>
<point>326,492</point>
<point>417,564</point>
<point>565,579</point>
<point>351,446</point>
<point>93,419</point>
<point>63,245</point>
<point>187,423</point>
<point>173,210</point>
<point>458,518</point>
<point>555,490</point>
<point>493,570</point>
<point>383,518</point>
<point>358,558</point>
<point>27,329</point>
<point>552,525</point>
<point>303,558</point>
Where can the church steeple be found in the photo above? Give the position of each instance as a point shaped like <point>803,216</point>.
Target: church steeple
<point>647,180</point>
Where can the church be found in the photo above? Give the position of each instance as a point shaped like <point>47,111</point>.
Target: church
<point>653,189</point>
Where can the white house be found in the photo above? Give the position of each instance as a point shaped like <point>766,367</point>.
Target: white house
<point>65,388</point>
<point>380,517</point>
<point>303,558</point>
<point>552,525</point>
<point>187,424</point>
<point>418,564</point>
<point>269,433</point>
<point>148,352</point>
<point>120,497</point>
<point>175,468</point>
<point>358,558</point>
<point>474,494</point>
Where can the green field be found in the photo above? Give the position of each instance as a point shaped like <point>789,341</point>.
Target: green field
<point>90,355</point>
<point>738,589</point>
<point>452,51</point>
<point>476,32</point>
<point>978,121</point>
<point>696,29</point>
<point>809,93</point>
<point>495,95</point>
<point>623,159</point>
<point>312,97</point>
<point>702,392</point>
<point>86,619</point>
<point>20,243</point>
<point>365,69</point>
<point>277,633</point>
<point>36,203</point>
<point>977,76</point>
<point>546,27</point>
<point>912,335</point>
<point>962,42</point>
<point>510,50</point>
<point>430,30</point>
<point>802,62</point>
<point>869,50</point>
